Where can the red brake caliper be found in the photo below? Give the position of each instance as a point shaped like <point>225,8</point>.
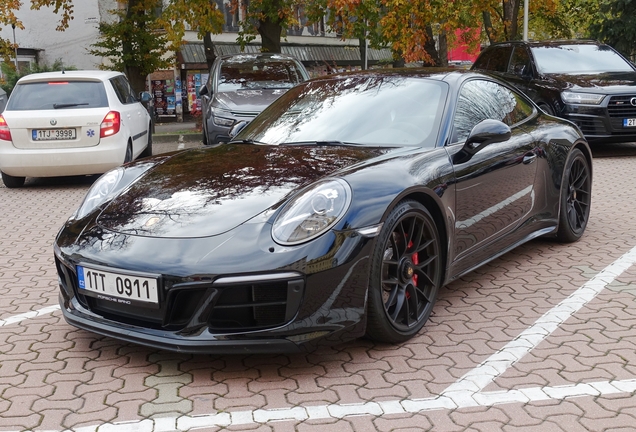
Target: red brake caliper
<point>416,260</point>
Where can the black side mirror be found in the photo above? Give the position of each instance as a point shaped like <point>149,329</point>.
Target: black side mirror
<point>145,97</point>
<point>203,90</point>
<point>483,134</point>
<point>238,126</point>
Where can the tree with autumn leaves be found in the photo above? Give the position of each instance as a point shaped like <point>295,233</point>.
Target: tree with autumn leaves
<point>138,41</point>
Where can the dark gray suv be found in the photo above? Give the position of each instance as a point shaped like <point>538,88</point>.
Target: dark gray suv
<point>586,82</point>
<point>240,86</point>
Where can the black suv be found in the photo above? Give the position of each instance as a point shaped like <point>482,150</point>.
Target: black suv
<point>586,82</point>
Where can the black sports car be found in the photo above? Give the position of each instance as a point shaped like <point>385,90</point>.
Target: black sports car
<point>339,211</point>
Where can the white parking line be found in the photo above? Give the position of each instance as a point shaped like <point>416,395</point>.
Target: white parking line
<point>28,315</point>
<point>465,393</point>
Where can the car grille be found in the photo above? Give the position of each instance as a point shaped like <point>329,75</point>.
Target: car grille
<point>229,304</point>
<point>590,126</point>
<point>620,106</point>
<point>254,304</point>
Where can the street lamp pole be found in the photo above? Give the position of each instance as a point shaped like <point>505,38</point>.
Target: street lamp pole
<point>15,47</point>
<point>525,20</point>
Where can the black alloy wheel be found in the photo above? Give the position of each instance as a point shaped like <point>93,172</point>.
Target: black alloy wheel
<point>406,274</point>
<point>576,197</point>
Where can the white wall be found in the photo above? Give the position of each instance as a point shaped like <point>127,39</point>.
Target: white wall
<point>70,45</point>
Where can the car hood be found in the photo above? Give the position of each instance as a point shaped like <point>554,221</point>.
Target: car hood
<point>206,192</point>
<point>249,101</point>
<point>605,83</point>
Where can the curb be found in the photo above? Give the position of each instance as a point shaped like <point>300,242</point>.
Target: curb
<point>164,138</point>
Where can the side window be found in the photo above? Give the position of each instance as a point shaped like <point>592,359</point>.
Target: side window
<point>123,90</point>
<point>520,62</point>
<point>480,100</point>
<point>494,59</point>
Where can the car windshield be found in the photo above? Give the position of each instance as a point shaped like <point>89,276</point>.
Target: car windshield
<point>57,95</point>
<point>372,110</point>
<point>579,59</point>
<point>249,73</point>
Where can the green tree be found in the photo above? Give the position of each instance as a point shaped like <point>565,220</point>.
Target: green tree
<point>617,26</point>
<point>11,76</point>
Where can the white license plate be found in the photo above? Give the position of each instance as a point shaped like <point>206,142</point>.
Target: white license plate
<point>118,288</point>
<point>53,134</point>
<point>629,122</point>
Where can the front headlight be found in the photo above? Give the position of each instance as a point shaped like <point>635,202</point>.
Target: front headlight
<point>312,212</point>
<point>219,120</point>
<point>582,98</point>
<point>100,192</point>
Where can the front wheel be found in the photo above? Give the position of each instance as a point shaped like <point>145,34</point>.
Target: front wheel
<point>576,197</point>
<point>405,274</point>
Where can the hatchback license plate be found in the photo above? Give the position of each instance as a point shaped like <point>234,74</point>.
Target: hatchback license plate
<point>53,134</point>
<point>118,288</point>
<point>629,122</point>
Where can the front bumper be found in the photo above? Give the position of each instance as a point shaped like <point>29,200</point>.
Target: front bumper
<point>604,122</point>
<point>306,296</point>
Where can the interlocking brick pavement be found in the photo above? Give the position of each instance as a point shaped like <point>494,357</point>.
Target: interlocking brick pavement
<point>53,376</point>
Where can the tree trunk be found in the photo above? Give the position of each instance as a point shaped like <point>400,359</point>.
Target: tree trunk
<point>430,48</point>
<point>208,47</point>
<point>270,32</point>
<point>443,49</point>
<point>511,18</point>
<point>362,46</point>
<point>490,32</point>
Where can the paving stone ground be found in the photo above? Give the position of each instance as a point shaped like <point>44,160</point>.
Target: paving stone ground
<point>55,377</point>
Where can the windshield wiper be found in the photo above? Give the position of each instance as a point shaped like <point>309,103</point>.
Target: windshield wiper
<point>68,105</point>
<point>247,141</point>
<point>321,143</point>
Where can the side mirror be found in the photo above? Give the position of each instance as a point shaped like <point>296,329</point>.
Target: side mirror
<point>483,134</point>
<point>203,90</point>
<point>238,126</point>
<point>145,97</point>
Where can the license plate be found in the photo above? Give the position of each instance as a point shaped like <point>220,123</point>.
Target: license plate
<point>53,134</point>
<point>629,122</point>
<point>118,288</point>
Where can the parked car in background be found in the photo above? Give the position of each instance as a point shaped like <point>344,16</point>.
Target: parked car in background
<point>3,100</point>
<point>586,82</point>
<point>71,123</point>
<point>240,86</point>
<point>341,210</point>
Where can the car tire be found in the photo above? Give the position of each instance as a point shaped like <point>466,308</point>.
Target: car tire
<point>405,274</point>
<point>148,150</point>
<point>12,182</point>
<point>546,108</point>
<point>129,153</point>
<point>576,197</point>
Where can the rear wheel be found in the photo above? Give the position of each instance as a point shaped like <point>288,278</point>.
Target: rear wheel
<point>148,150</point>
<point>576,197</point>
<point>406,274</point>
<point>12,182</point>
<point>129,153</point>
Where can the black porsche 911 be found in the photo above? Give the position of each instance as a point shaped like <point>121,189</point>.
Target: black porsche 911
<point>338,212</point>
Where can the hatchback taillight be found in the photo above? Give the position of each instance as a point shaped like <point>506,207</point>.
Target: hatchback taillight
<point>110,125</point>
<point>5,133</point>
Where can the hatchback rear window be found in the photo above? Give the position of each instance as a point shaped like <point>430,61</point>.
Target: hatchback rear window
<point>58,95</point>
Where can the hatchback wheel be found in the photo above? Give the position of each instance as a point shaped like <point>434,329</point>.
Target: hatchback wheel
<point>12,182</point>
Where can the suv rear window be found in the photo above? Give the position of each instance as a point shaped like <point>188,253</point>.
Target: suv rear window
<point>58,95</point>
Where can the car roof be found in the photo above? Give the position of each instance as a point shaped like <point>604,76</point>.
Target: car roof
<point>434,73</point>
<point>258,56</point>
<point>548,43</point>
<point>75,74</point>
